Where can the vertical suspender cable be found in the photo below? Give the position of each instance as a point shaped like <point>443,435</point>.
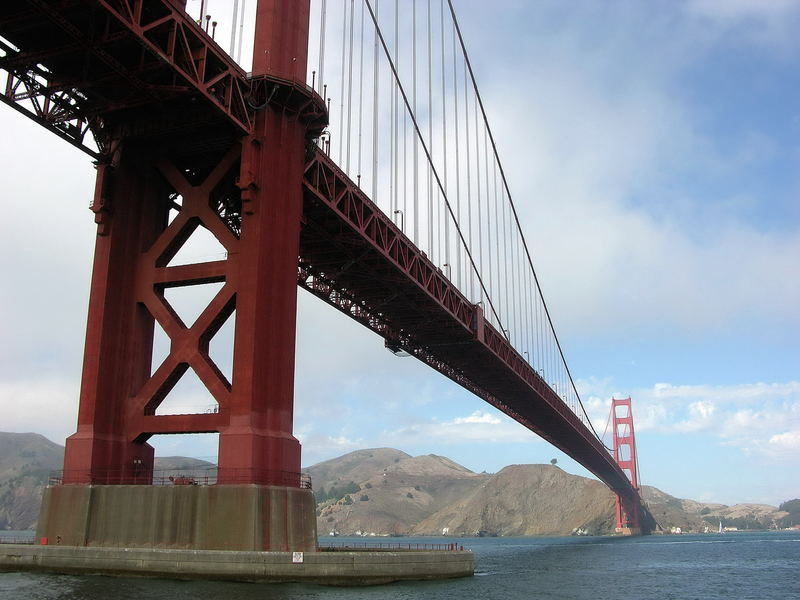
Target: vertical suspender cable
<point>361,94</point>
<point>497,241</point>
<point>349,89</point>
<point>405,168</point>
<point>341,89</point>
<point>404,126</point>
<point>415,180</point>
<point>241,32</point>
<point>457,129</point>
<point>430,139</point>
<point>322,16</point>
<point>445,157</point>
<point>529,319</point>
<point>506,242</point>
<point>478,193</point>
<point>233,26</point>
<point>468,171</point>
<point>395,117</point>
<point>375,91</point>
<point>489,245</point>
<point>516,268</point>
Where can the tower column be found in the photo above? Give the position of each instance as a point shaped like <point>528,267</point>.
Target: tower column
<point>129,208</point>
<point>258,445</point>
<point>628,518</point>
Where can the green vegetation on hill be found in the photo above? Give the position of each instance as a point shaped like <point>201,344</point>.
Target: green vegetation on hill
<point>336,492</point>
<point>793,508</point>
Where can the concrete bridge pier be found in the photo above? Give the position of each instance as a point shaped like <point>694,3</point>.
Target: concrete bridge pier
<point>216,517</point>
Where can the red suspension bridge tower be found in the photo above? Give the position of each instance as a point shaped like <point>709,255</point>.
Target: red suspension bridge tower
<point>628,517</point>
<point>186,131</point>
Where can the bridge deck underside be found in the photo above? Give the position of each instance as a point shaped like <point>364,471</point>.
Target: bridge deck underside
<point>356,259</point>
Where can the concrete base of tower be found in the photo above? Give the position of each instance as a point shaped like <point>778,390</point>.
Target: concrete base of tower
<point>340,567</point>
<point>216,517</point>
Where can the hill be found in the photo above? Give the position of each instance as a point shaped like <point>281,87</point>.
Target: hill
<point>690,515</point>
<point>26,460</point>
<point>525,500</point>
<point>429,495</point>
<point>388,492</point>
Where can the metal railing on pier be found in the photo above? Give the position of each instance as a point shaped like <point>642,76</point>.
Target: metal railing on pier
<point>350,546</point>
<point>166,477</point>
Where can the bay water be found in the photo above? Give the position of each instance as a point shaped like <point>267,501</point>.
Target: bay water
<point>730,566</point>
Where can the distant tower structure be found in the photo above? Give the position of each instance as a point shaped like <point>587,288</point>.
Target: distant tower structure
<point>628,518</point>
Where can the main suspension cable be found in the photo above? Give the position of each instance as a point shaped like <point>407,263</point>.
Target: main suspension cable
<point>514,210</point>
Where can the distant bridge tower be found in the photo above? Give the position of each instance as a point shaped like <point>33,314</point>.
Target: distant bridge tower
<point>628,517</point>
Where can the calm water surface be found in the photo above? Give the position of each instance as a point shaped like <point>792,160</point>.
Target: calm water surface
<point>758,566</point>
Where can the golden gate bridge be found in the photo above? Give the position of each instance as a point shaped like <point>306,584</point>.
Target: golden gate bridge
<point>354,160</point>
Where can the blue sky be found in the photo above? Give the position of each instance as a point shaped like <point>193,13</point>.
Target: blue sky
<point>653,152</point>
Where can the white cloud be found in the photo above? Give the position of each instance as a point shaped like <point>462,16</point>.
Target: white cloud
<point>479,427</point>
<point>604,182</point>
<point>789,441</point>
<point>317,447</point>
<point>747,392</point>
<point>767,23</point>
<point>699,416</point>
<point>45,406</point>
<point>477,417</point>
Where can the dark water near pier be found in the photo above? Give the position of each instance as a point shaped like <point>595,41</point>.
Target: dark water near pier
<point>742,566</point>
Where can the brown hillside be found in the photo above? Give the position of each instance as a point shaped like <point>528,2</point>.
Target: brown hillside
<point>394,497</point>
<point>400,494</point>
<point>26,460</point>
<point>526,500</point>
<point>356,466</point>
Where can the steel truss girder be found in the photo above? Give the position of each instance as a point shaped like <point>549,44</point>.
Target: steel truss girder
<point>176,39</point>
<point>151,52</point>
<point>30,93</point>
<point>147,53</point>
